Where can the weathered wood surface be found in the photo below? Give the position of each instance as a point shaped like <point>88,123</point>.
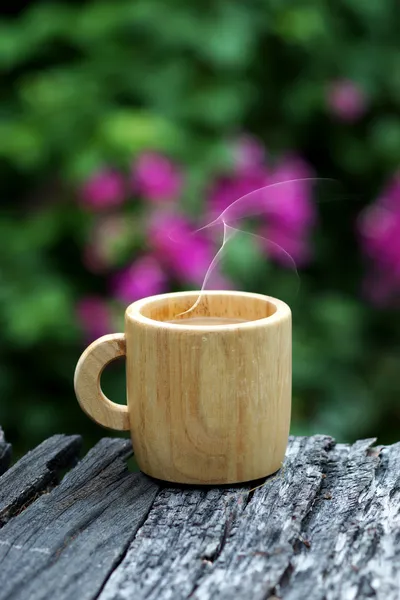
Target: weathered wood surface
<point>326,527</point>
<point>68,541</point>
<point>35,473</point>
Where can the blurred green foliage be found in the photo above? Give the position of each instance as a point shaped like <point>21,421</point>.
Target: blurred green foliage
<point>99,82</point>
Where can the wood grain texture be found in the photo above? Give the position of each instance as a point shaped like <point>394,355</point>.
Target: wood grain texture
<point>209,404</point>
<point>205,404</point>
<point>326,527</point>
<point>67,543</point>
<point>222,543</point>
<point>87,382</point>
<point>354,529</point>
<point>35,473</point>
<point>5,453</point>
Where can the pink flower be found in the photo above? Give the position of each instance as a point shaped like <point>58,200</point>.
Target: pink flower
<point>143,278</point>
<point>288,202</point>
<point>94,317</point>
<point>186,253</point>
<point>346,100</point>
<point>105,189</point>
<point>283,194</point>
<point>279,198</point>
<point>250,173</point>
<point>289,211</point>
<point>379,230</point>
<point>227,190</point>
<point>156,178</point>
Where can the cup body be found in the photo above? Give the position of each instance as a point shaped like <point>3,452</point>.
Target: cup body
<point>209,404</point>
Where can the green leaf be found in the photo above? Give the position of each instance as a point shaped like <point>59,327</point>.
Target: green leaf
<point>59,90</point>
<point>218,104</point>
<point>230,34</point>
<point>340,322</point>
<point>130,132</point>
<point>40,312</point>
<point>13,46</point>
<point>303,25</point>
<point>22,144</point>
<point>84,162</point>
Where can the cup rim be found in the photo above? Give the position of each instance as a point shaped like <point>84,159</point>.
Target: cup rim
<point>133,311</point>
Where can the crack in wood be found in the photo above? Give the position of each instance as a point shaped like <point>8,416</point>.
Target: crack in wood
<point>35,474</point>
<point>284,580</point>
<point>212,556</point>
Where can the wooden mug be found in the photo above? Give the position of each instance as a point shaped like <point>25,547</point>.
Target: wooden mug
<point>206,404</point>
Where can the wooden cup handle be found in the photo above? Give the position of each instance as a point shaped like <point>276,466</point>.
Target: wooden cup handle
<point>87,382</point>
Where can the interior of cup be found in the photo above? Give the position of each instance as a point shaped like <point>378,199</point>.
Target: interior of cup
<point>216,306</point>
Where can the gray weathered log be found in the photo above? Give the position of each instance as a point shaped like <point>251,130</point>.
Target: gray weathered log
<point>66,544</point>
<point>35,473</point>
<point>327,526</point>
<point>223,543</point>
<point>5,453</point>
<point>354,530</point>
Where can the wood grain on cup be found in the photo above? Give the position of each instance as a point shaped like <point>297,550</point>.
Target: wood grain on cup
<point>207,404</point>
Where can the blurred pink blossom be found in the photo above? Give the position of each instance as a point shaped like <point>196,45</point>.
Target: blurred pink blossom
<point>289,202</point>
<point>346,100</point>
<point>187,254</point>
<point>379,230</point>
<point>93,316</point>
<point>145,277</point>
<point>281,200</point>
<point>227,190</point>
<point>103,190</point>
<point>249,173</point>
<point>156,178</point>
